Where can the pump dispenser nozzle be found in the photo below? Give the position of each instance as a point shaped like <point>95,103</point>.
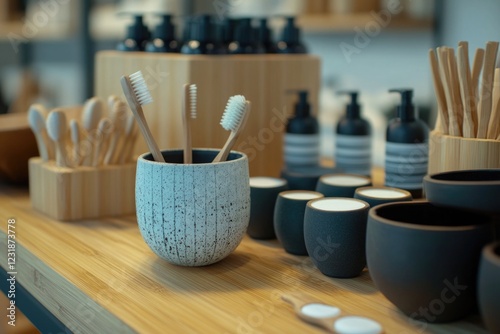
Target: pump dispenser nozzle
<point>406,111</point>
<point>353,108</point>
<point>302,107</point>
<point>137,35</point>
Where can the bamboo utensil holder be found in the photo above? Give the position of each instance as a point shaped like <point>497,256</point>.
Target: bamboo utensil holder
<point>262,79</point>
<point>447,153</point>
<point>81,193</point>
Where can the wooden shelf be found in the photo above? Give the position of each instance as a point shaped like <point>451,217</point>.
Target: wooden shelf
<point>346,23</point>
<point>47,33</point>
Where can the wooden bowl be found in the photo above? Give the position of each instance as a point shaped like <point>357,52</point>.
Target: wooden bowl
<point>17,145</point>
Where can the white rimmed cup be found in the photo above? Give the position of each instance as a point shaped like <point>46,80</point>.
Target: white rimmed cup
<point>289,219</point>
<point>263,193</point>
<point>381,195</point>
<point>335,234</point>
<point>341,185</point>
<point>192,214</point>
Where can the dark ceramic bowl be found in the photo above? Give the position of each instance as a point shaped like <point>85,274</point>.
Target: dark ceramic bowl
<point>424,258</point>
<point>474,190</point>
<point>489,287</point>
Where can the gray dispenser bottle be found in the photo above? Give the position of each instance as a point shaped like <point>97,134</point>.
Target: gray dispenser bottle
<point>407,147</point>
<point>301,142</point>
<point>353,144</point>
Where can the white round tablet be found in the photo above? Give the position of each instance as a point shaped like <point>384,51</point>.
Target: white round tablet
<point>266,182</point>
<point>317,310</point>
<point>357,325</point>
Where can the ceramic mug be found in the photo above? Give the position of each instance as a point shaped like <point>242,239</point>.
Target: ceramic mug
<point>192,214</point>
<point>489,287</point>
<point>381,195</point>
<point>289,219</point>
<point>335,233</point>
<point>264,192</point>
<point>341,185</point>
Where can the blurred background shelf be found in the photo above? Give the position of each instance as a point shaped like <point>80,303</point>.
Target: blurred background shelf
<point>345,23</point>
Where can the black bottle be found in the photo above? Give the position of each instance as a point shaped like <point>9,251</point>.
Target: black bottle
<point>163,39</point>
<point>264,37</point>
<point>353,140</point>
<point>137,36</point>
<point>198,40</point>
<point>406,151</point>
<point>290,39</point>
<point>245,39</point>
<point>301,142</point>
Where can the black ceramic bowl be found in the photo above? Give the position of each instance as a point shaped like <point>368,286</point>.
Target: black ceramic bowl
<point>475,190</point>
<point>489,287</point>
<point>425,259</point>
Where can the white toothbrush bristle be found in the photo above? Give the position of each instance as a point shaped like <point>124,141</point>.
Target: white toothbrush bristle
<point>233,115</point>
<point>192,98</point>
<point>141,90</point>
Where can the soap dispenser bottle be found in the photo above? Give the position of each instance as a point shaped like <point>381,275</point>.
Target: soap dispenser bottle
<point>245,39</point>
<point>137,36</point>
<point>301,142</point>
<point>199,36</point>
<point>290,39</point>
<point>163,39</point>
<point>407,148</point>
<point>353,140</point>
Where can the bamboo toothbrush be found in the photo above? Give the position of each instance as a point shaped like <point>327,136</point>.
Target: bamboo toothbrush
<point>103,130</point>
<point>137,94</point>
<point>438,86</point>
<point>36,119</point>
<point>92,113</point>
<point>75,139</point>
<point>485,102</point>
<point>233,119</point>
<point>118,120</point>
<point>494,127</point>
<point>188,113</point>
<point>56,129</point>
<point>467,95</point>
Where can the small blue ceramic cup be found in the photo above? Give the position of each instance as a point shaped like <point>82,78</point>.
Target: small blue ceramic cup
<point>289,219</point>
<point>263,194</point>
<point>381,195</point>
<point>335,235</point>
<point>341,185</point>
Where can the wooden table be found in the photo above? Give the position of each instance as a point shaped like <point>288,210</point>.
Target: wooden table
<point>100,277</point>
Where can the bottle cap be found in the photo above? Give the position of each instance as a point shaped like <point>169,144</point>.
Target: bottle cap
<point>353,108</point>
<point>406,110</point>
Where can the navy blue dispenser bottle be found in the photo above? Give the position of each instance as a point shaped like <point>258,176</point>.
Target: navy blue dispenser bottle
<point>407,148</point>
<point>245,39</point>
<point>301,140</point>
<point>353,143</point>
<point>198,39</point>
<point>137,36</point>
<point>264,37</point>
<point>290,39</point>
<point>163,39</point>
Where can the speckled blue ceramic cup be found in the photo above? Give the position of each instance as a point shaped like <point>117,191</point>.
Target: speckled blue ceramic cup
<point>192,214</point>
<point>335,234</point>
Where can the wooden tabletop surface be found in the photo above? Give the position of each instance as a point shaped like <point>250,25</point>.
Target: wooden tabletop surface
<point>100,277</point>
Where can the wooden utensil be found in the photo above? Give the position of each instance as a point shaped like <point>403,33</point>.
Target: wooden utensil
<point>494,127</point>
<point>442,53</point>
<point>128,139</point>
<point>74,127</point>
<point>102,135</point>
<point>92,113</point>
<point>457,96</point>
<point>329,317</point>
<point>56,129</point>
<point>118,120</point>
<point>36,120</point>
<point>485,102</point>
<point>467,94</point>
<point>438,87</point>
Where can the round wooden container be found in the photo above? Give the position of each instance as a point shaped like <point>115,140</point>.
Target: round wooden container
<point>448,153</point>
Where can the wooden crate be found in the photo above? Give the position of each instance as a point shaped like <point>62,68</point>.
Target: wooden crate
<point>262,79</point>
<point>83,192</point>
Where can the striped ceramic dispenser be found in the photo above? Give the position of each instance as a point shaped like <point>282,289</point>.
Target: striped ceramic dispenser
<point>301,141</point>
